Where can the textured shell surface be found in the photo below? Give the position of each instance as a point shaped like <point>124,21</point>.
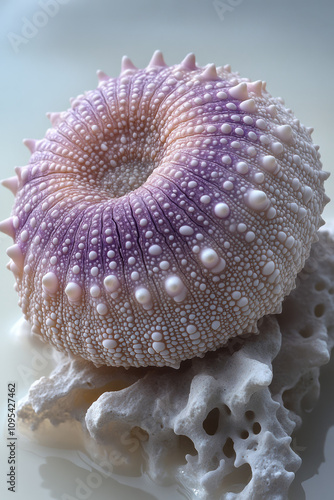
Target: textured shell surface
<point>165,212</point>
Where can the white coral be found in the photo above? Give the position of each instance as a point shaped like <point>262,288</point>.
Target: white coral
<point>219,425</point>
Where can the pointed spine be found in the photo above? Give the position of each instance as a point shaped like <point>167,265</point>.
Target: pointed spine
<point>7,227</point>
<point>326,199</point>
<point>55,118</point>
<point>324,175</point>
<point>127,65</point>
<point>209,74</point>
<point>157,60</point>
<point>31,144</point>
<point>14,252</point>
<point>189,62</point>
<point>248,106</point>
<point>12,183</point>
<point>255,87</point>
<point>15,269</point>
<point>239,91</point>
<point>101,76</point>
<point>22,174</point>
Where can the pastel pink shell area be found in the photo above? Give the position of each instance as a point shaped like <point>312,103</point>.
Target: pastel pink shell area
<point>165,212</point>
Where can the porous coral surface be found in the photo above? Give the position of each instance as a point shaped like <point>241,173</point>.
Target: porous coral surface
<point>221,425</point>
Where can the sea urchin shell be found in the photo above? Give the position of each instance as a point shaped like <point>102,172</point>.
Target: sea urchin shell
<point>165,212</point>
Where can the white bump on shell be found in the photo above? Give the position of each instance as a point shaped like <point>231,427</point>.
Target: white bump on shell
<point>284,132</point>
<point>307,194</point>
<point>186,230</point>
<point>111,283</point>
<point>277,148</point>
<point>158,346</point>
<point>102,309</point>
<point>269,163</point>
<point>174,286</point>
<point>269,268</point>
<point>143,295</point>
<point>219,267</point>
<point>205,199</point>
<point>155,250</point>
<point>242,167</point>
<point>256,199</point>
<point>225,128</point>
<point>95,291</point>
<point>109,343</point>
<point>50,282</point>
<point>164,265</point>
<point>221,210</point>
<point>156,336</point>
<point>209,258</point>
<point>73,291</point>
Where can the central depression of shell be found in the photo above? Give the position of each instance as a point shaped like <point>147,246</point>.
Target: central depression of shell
<point>165,212</point>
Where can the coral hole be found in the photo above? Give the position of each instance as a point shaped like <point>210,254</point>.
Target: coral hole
<point>186,447</point>
<point>319,310</point>
<point>227,410</point>
<point>320,285</point>
<point>306,332</point>
<point>237,480</point>
<point>249,414</point>
<point>256,428</point>
<point>244,434</point>
<point>228,448</point>
<point>210,424</point>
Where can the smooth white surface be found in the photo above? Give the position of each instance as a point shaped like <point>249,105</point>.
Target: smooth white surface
<point>289,44</point>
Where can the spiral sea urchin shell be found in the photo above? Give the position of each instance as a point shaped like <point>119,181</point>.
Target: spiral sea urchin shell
<point>165,212</point>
